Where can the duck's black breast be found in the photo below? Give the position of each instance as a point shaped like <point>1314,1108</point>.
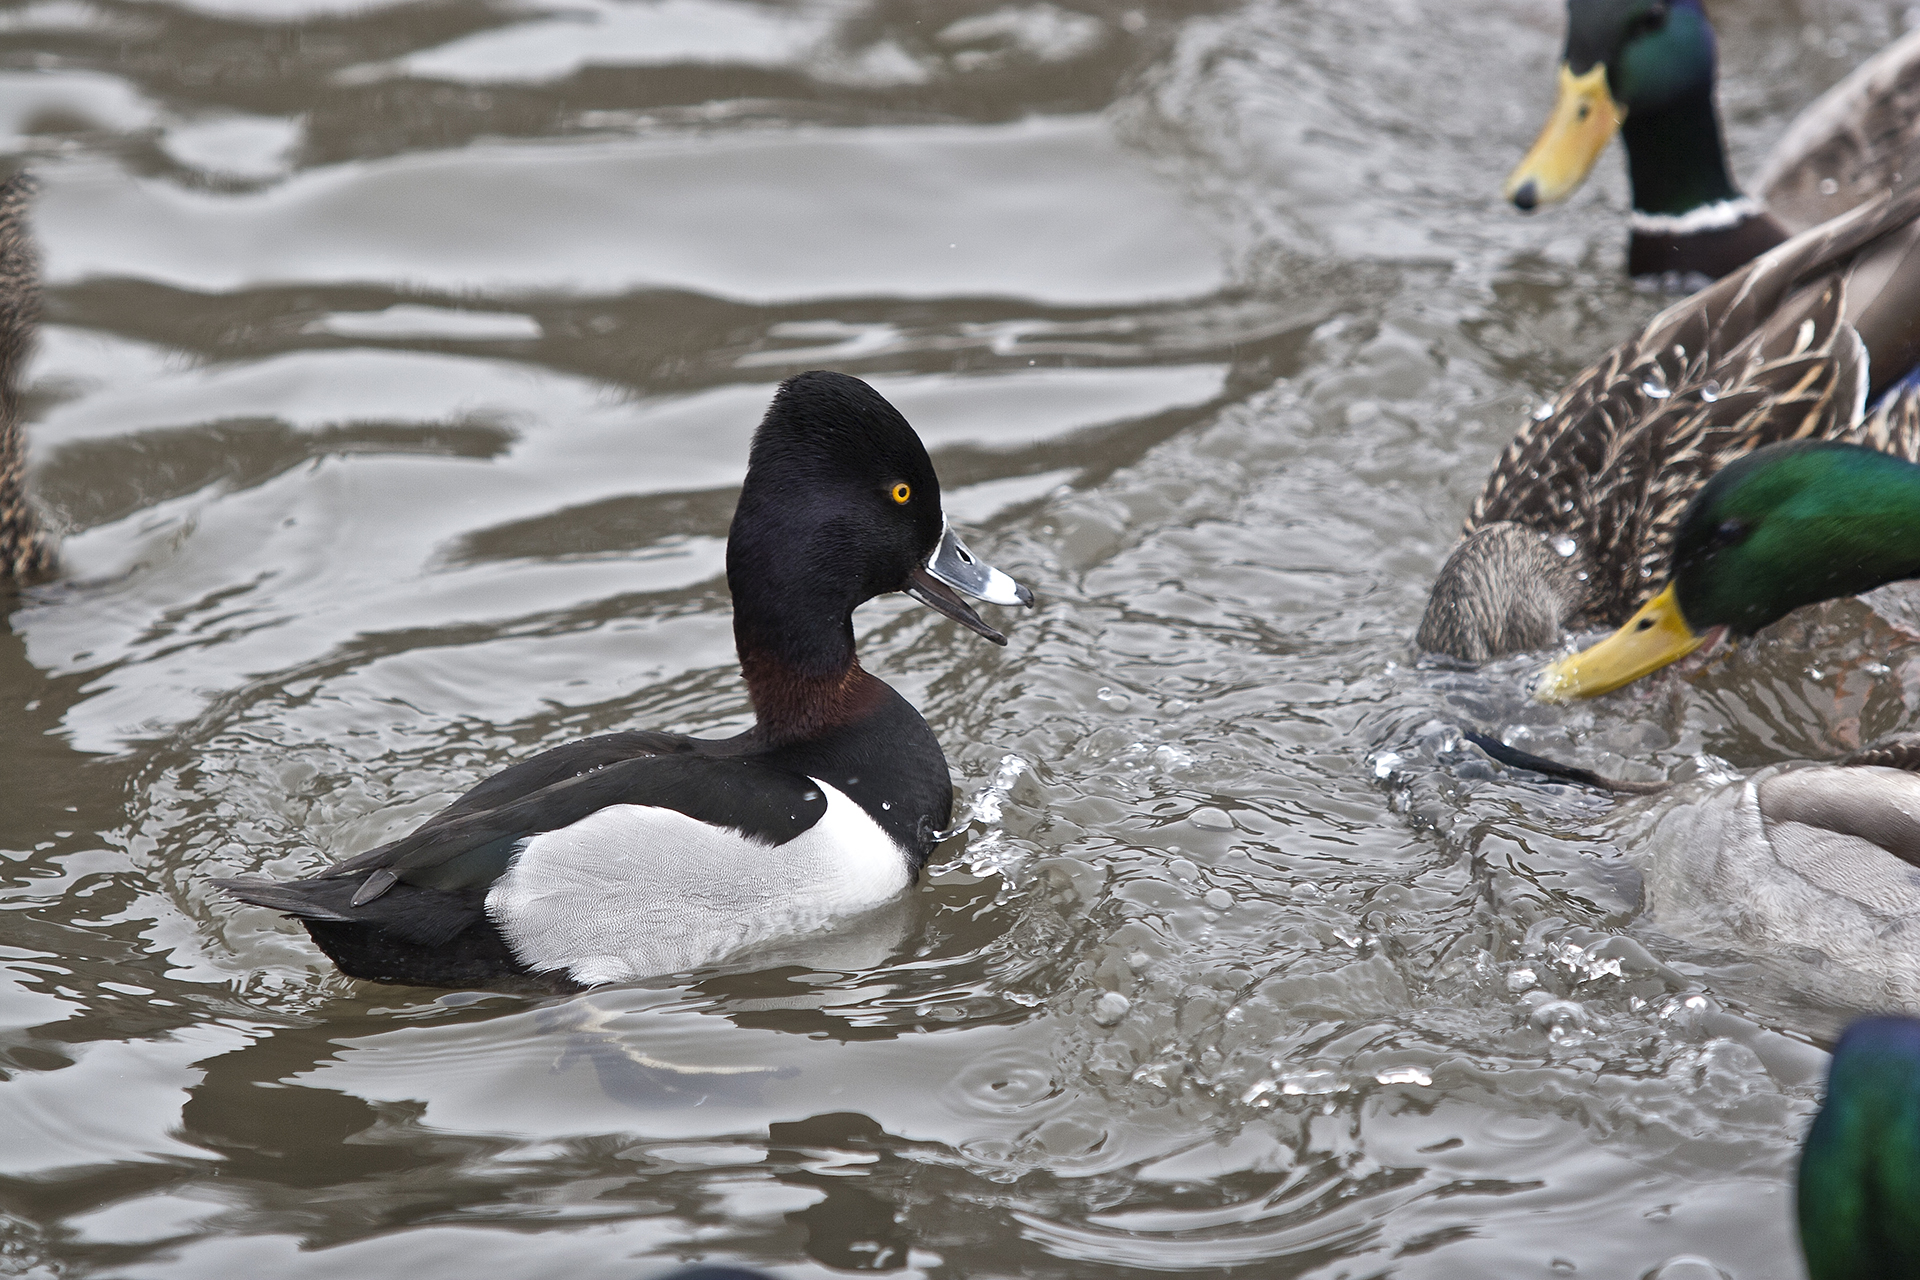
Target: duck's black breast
<point>889,763</point>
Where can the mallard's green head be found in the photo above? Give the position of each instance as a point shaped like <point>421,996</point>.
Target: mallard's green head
<point>1859,1195</point>
<point>1624,59</point>
<point>1784,526</point>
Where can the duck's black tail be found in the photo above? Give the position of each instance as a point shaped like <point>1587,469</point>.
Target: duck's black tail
<point>1517,759</point>
<point>414,935</point>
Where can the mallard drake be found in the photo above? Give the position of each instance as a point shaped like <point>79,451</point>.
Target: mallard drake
<point>1578,516</point>
<point>1788,525</point>
<point>1645,69</point>
<point>1812,866</point>
<point>642,853</point>
<point>26,552</point>
<point>1859,1185</point>
<point>1809,864</point>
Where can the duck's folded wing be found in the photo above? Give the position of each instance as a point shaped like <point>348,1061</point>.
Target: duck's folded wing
<point>465,853</point>
<point>1846,147</point>
<point>560,763</point>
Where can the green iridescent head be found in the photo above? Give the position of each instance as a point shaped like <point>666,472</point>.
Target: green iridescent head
<point>1788,525</point>
<point>1655,51</point>
<point>1644,68</point>
<point>1793,524</point>
<point>1859,1198</point>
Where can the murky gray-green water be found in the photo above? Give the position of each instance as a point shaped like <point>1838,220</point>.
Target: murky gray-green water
<point>400,367</point>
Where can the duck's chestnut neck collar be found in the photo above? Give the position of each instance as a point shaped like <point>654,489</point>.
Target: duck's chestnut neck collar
<point>795,705</point>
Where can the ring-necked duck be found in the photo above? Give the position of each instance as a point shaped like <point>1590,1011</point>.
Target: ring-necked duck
<point>644,853</point>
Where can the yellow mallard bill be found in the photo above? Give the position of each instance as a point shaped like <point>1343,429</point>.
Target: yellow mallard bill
<point>1584,120</point>
<point>1652,638</point>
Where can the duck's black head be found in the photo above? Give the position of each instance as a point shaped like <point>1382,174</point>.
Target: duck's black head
<point>841,504</point>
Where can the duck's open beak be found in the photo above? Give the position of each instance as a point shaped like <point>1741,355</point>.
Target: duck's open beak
<point>1652,638</point>
<point>1584,120</point>
<point>952,567</point>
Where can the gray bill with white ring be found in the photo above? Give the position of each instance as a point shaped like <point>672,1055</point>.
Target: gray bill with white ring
<point>952,567</point>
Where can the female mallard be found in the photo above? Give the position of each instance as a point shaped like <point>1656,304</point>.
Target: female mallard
<point>1859,1195</point>
<point>25,551</point>
<point>1791,524</point>
<point>1578,516</point>
<point>1645,69</point>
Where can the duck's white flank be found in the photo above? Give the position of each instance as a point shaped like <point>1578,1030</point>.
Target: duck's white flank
<point>633,891</point>
<point>1717,216</point>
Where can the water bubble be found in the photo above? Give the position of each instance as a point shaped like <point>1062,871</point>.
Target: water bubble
<point>1113,701</point>
<point>1404,1075</point>
<point>1385,763</point>
<point>1558,1016</point>
<point>1829,187</point>
<point>1303,1083</point>
<point>1686,1267</point>
<point>1110,1008</point>
<point>1218,899</point>
<point>1520,979</point>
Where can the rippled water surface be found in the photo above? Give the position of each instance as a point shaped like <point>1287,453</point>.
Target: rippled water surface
<point>399,370</point>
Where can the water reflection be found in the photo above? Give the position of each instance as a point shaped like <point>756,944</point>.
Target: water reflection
<point>400,367</point>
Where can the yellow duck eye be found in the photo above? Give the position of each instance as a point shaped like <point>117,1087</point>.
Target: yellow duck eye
<point>901,493</point>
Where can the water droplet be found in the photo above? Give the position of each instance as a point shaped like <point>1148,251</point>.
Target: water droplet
<point>884,804</point>
<point>1829,187</point>
<point>1565,546</point>
<point>1544,412</point>
<point>1710,391</point>
<point>1656,389</point>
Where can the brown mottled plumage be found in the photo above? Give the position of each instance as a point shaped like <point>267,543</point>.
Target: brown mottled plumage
<point>1792,346</point>
<point>26,553</point>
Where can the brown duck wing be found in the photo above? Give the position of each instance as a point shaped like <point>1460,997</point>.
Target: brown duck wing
<point>1766,354</point>
<point>1853,136</point>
